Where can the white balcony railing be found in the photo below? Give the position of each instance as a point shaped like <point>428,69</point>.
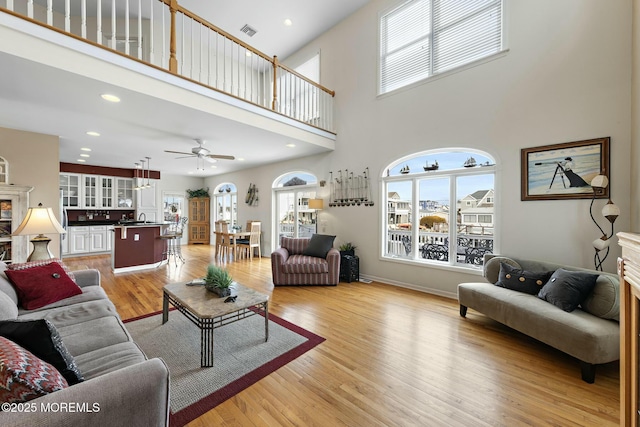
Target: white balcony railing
<point>163,34</point>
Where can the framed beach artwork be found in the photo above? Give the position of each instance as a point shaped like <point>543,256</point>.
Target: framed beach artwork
<point>564,171</point>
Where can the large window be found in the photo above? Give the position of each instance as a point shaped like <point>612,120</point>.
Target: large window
<point>293,217</point>
<point>421,38</point>
<point>439,207</point>
<point>225,199</point>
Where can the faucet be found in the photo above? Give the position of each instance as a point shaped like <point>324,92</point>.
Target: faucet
<point>142,215</point>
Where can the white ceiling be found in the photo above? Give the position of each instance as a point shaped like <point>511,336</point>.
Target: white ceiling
<point>44,99</point>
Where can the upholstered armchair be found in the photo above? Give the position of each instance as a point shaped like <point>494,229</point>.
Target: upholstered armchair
<point>299,261</point>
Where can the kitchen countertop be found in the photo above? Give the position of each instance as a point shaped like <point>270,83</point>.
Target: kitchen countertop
<point>117,223</point>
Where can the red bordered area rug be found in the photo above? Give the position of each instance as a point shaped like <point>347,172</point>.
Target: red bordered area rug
<point>241,357</point>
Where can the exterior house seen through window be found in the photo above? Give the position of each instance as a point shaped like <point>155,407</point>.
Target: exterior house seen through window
<point>422,38</point>
<point>439,208</point>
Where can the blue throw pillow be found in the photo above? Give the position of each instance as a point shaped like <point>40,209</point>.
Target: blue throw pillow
<point>319,245</point>
<point>568,289</point>
<point>529,282</point>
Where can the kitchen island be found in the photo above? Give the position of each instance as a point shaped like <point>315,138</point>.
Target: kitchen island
<point>137,245</point>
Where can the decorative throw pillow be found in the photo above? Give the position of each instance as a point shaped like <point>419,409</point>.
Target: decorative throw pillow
<point>40,263</point>
<point>491,269</point>
<point>529,282</point>
<point>568,289</point>
<point>39,286</point>
<point>25,377</point>
<point>42,339</point>
<point>319,245</point>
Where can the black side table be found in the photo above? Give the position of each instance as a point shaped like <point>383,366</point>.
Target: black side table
<point>349,268</point>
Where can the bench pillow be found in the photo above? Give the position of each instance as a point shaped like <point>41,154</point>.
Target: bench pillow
<point>568,289</point>
<point>491,269</point>
<point>529,282</point>
<point>604,300</point>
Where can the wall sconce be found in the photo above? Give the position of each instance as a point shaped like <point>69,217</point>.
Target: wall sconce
<point>317,205</point>
<point>611,212</point>
<point>39,221</point>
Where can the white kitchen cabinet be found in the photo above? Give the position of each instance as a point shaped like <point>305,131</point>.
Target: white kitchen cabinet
<point>98,238</point>
<point>110,235</point>
<point>64,238</point>
<point>70,184</point>
<point>107,192</point>
<point>125,195</point>
<point>78,240</point>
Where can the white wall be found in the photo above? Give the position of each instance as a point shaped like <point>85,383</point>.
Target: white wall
<point>33,162</point>
<point>564,79</point>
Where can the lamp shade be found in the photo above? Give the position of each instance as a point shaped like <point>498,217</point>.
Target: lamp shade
<point>610,211</point>
<point>316,204</point>
<point>601,243</point>
<point>39,221</point>
<point>600,181</point>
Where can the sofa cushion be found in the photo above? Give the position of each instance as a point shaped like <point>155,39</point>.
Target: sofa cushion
<point>24,376</point>
<point>89,293</point>
<point>40,263</point>
<point>8,308</point>
<point>5,285</point>
<point>319,245</point>
<point>604,300</point>
<point>567,289</point>
<point>522,280</point>
<point>42,339</point>
<point>303,264</point>
<point>491,269</point>
<point>294,246</point>
<point>110,358</point>
<point>39,286</point>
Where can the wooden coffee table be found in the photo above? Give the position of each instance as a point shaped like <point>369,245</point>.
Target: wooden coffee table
<point>208,311</point>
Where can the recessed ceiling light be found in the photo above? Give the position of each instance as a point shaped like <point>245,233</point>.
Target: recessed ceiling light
<point>288,22</point>
<point>214,167</point>
<point>93,133</point>
<point>81,160</point>
<point>291,145</point>
<point>109,97</point>
<point>85,149</point>
<point>84,155</point>
<point>240,159</point>
<point>190,172</point>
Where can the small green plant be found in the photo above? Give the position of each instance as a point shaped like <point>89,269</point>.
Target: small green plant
<point>200,192</point>
<point>217,277</point>
<point>348,246</point>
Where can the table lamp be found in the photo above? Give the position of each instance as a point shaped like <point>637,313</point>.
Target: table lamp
<point>39,221</point>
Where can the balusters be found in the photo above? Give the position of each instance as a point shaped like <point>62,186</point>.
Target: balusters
<point>49,12</point>
<point>83,17</point>
<point>140,29</point>
<point>67,16</point>
<point>99,22</point>
<point>29,7</point>
<point>113,24</point>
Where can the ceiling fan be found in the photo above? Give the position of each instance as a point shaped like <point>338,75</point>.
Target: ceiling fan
<point>201,153</point>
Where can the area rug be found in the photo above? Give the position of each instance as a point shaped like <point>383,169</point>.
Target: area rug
<point>241,357</point>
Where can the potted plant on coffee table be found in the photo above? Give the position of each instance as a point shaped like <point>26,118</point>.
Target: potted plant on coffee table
<point>218,280</point>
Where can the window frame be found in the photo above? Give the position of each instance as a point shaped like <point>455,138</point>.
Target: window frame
<point>452,175</point>
<point>503,50</point>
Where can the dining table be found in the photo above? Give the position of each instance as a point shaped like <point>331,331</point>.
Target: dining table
<point>233,237</point>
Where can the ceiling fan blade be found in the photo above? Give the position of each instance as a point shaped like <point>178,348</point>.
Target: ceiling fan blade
<point>178,152</point>
<point>185,157</point>
<point>220,156</point>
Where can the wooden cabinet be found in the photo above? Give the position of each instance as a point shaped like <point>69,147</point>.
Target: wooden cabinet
<point>629,270</point>
<point>198,224</point>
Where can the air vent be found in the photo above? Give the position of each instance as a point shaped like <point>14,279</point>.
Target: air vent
<point>248,30</point>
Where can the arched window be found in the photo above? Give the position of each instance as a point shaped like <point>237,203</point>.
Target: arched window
<point>440,207</point>
<point>293,218</point>
<point>225,197</point>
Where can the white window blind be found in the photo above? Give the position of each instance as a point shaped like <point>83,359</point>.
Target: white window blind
<point>421,38</point>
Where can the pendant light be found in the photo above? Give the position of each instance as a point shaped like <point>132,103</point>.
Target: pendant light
<point>140,185</point>
<point>135,176</point>
<point>148,172</point>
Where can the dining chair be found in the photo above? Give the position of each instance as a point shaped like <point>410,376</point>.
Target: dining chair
<point>226,245</point>
<point>252,243</point>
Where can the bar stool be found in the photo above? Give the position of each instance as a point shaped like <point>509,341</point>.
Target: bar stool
<point>173,235</point>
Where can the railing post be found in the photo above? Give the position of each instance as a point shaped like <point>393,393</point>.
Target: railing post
<point>173,61</point>
<point>275,84</point>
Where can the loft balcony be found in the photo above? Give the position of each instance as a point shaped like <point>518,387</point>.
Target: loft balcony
<point>163,40</point>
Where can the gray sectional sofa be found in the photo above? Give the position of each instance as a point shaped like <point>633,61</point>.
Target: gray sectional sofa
<point>590,333</point>
<point>128,388</point>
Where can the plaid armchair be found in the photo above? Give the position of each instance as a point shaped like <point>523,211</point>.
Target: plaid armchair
<point>290,267</point>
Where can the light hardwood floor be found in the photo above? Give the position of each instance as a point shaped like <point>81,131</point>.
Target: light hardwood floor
<point>392,357</point>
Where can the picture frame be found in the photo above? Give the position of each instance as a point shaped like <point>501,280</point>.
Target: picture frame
<point>564,171</point>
